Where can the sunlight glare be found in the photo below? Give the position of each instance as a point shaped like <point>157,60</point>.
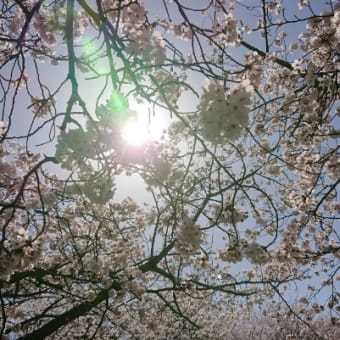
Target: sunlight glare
<point>135,133</point>
<point>142,129</point>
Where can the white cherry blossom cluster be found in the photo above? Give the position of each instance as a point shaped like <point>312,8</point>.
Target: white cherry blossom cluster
<point>231,254</point>
<point>254,72</point>
<point>255,253</point>
<point>233,215</point>
<point>226,29</point>
<point>189,237</point>
<point>322,38</point>
<point>73,147</point>
<point>155,51</point>
<point>335,23</point>
<point>150,44</point>
<point>92,185</point>
<point>142,38</point>
<point>300,202</point>
<point>15,22</point>
<point>230,214</point>
<point>42,107</point>
<point>111,9</point>
<point>170,86</point>
<point>333,168</point>
<point>41,26</point>
<point>47,198</point>
<point>236,251</point>
<point>20,259</point>
<point>133,14</point>
<point>180,31</point>
<point>15,255</point>
<point>231,33</point>
<point>99,191</point>
<point>3,128</point>
<point>161,169</point>
<point>222,117</point>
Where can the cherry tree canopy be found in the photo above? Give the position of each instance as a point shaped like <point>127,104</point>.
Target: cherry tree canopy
<point>237,237</point>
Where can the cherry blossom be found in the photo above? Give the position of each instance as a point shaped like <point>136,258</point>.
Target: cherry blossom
<point>223,117</point>
<point>228,226</point>
<point>188,237</point>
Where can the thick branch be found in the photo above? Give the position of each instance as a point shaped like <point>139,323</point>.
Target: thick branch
<point>66,317</point>
<point>85,307</point>
<point>263,54</point>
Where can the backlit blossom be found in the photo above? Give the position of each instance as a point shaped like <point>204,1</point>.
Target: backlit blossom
<point>225,226</point>
<point>3,128</point>
<point>189,237</point>
<point>256,254</point>
<point>222,117</point>
<point>42,107</point>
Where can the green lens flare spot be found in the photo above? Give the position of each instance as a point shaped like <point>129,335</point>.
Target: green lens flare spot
<point>116,111</point>
<point>89,47</point>
<point>118,102</point>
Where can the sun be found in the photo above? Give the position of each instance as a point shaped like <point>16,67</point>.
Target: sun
<point>135,133</point>
<point>143,129</point>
